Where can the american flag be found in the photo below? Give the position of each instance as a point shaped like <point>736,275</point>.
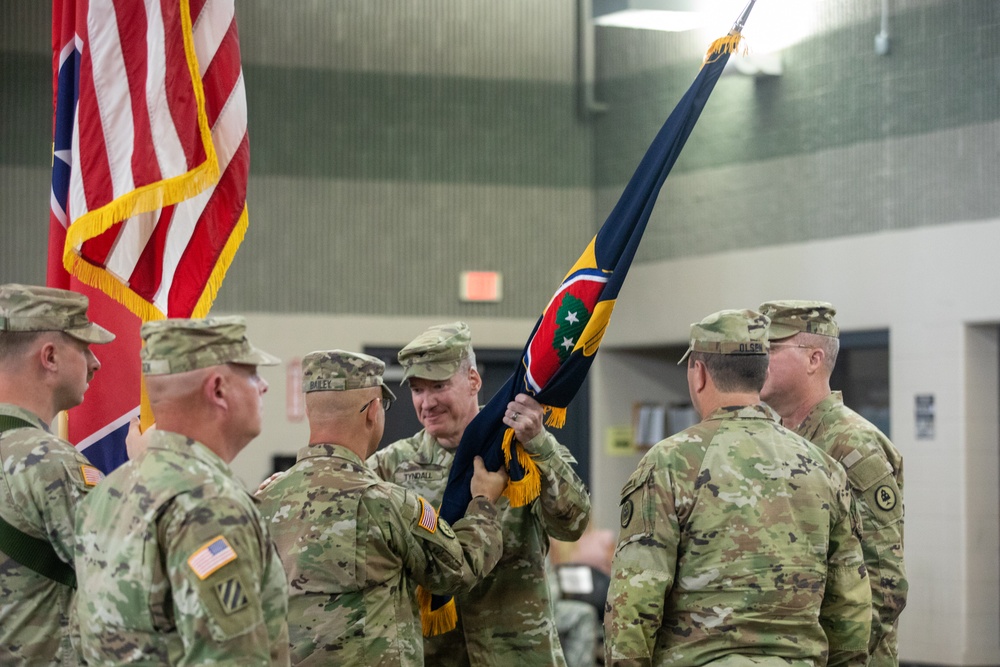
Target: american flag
<point>149,170</point>
<point>211,557</point>
<point>91,475</point>
<point>428,517</point>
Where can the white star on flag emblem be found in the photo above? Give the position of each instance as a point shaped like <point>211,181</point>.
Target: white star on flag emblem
<point>572,318</point>
<point>568,343</point>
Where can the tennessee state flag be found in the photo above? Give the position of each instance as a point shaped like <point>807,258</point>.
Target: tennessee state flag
<point>561,348</point>
<point>149,174</point>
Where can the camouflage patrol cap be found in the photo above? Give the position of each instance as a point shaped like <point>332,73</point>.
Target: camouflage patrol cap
<point>791,317</point>
<point>337,370</point>
<point>33,308</point>
<point>181,345</point>
<point>437,353</point>
<point>729,332</point>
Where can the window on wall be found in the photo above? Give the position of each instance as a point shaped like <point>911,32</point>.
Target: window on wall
<point>862,374</point>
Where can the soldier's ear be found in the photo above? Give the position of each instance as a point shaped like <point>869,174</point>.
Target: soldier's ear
<point>816,358</point>
<point>48,355</point>
<point>214,389</point>
<point>699,376</point>
<point>475,380</point>
<point>371,415</point>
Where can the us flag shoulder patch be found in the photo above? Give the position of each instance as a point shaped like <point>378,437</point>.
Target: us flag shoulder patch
<point>91,475</point>
<point>428,517</point>
<point>211,557</point>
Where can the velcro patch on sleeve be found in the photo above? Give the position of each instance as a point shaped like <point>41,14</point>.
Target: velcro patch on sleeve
<point>428,516</point>
<point>91,475</point>
<point>211,557</point>
<point>231,595</point>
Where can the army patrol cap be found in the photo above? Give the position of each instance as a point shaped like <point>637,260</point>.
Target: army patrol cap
<point>181,345</point>
<point>791,317</point>
<point>337,370</point>
<point>729,332</point>
<point>437,353</point>
<point>33,308</point>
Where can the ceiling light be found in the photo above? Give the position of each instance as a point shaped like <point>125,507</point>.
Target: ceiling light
<point>652,19</point>
<point>667,15</point>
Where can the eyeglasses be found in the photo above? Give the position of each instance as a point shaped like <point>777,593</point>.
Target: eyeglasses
<point>386,403</point>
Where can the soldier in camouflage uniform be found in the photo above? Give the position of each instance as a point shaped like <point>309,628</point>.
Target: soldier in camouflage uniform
<point>738,542</point>
<point>176,561</point>
<point>509,617</point>
<point>354,546</point>
<point>45,366</point>
<point>804,340</point>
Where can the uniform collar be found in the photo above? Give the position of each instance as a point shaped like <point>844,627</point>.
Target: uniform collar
<point>328,450</point>
<point>12,410</point>
<point>811,423</point>
<point>756,411</point>
<point>185,446</point>
<point>430,451</point>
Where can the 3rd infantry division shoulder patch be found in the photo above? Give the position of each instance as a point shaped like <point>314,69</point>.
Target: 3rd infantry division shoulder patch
<point>231,595</point>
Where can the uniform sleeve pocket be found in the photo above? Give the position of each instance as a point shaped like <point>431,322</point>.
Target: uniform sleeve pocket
<point>634,518</point>
<point>873,482</point>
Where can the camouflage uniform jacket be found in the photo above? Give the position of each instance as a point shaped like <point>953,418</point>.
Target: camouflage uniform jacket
<point>738,541</point>
<point>875,471</point>
<point>509,618</point>
<point>355,547</point>
<point>41,484</point>
<point>176,566</point>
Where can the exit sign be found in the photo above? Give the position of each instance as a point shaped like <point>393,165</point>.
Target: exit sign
<point>481,286</point>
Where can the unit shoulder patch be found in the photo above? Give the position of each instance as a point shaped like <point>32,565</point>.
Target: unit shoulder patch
<point>445,528</point>
<point>885,497</point>
<point>231,594</point>
<point>627,509</point>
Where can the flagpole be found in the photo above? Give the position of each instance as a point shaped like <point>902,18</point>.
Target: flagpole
<point>741,21</point>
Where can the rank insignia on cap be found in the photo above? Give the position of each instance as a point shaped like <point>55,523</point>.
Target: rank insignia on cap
<point>91,475</point>
<point>231,595</point>
<point>428,517</point>
<point>211,557</point>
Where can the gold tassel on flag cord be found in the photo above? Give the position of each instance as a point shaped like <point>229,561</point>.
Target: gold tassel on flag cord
<point>728,44</point>
<point>436,621</point>
<point>557,416</point>
<point>523,491</point>
<point>731,42</point>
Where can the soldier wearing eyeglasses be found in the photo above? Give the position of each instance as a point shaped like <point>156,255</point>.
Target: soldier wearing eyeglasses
<point>738,542</point>
<point>804,345</point>
<point>355,547</point>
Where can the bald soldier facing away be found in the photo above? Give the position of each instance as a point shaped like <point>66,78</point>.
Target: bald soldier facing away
<point>509,617</point>
<point>45,367</point>
<point>354,546</point>
<point>738,543</point>
<point>176,561</point>
<point>805,342</point>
